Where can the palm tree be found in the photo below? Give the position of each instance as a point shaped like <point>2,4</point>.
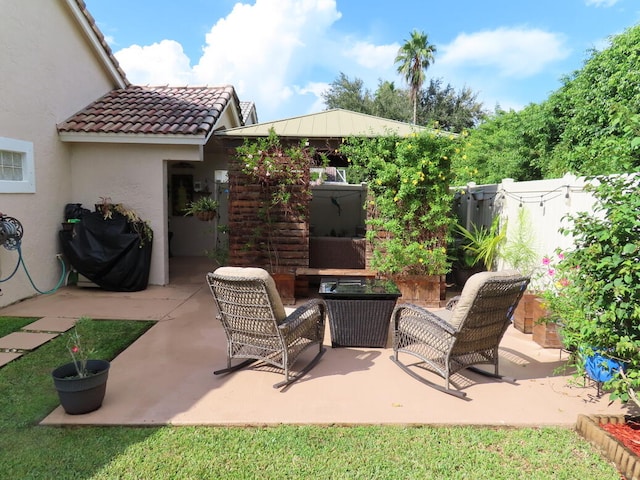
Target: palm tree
<point>414,58</point>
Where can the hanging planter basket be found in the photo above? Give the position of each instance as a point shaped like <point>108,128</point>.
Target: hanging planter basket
<point>205,216</point>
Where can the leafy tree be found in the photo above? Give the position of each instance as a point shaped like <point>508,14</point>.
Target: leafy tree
<point>415,57</point>
<point>509,145</point>
<point>453,111</point>
<point>390,102</point>
<point>599,106</point>
<point>348,94</point>
<point>448,109</point>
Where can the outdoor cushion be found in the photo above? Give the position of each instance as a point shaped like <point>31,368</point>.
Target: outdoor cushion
<point>261,274</point>
<point>470,291</point>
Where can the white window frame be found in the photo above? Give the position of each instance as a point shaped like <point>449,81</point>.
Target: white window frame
<point>28,182</point>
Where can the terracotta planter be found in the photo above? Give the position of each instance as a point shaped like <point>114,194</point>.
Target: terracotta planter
<point>547,335</point>
<point>625,460</point>
<point>286,285</point>
<point>528,313</point>
<point>422,290</point>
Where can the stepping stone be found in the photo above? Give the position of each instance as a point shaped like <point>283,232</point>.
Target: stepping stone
<point>51,324</point>
<point>25,340</point>
<point>6,357</point>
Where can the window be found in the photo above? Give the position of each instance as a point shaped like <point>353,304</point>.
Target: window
<point>16,166</point>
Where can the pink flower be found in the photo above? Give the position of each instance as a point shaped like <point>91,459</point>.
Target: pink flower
<point>546,260</point>
<point>75,349</point>
<point>551,272</point>
<point>560,256</point>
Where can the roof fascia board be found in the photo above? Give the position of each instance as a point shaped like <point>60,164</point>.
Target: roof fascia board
<point>95,43</point>
<point>142,138</point>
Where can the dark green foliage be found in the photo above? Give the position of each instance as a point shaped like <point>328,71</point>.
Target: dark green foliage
<point>391,102</point>
<point>450,110</point>
<point>349,95</point>
<point>589,126</point>
<point>438,105</point>
<point>507,146</point>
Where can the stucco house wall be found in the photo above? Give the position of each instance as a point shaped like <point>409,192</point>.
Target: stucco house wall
<point>49,72</point>
<point>134,175</point>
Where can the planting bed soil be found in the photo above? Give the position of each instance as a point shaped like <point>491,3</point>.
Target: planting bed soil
<point>628,433</point>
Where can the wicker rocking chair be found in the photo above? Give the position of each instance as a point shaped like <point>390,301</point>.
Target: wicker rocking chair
<point>471,334</point>
<point>256,324</point>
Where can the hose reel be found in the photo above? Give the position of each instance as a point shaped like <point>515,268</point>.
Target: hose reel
<point>10,232</point>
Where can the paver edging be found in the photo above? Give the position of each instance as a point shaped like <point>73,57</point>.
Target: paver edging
<point>625,460</point>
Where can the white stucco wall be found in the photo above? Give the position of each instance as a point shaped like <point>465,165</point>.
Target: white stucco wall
<point>134,175</point>
<point>48,73</point>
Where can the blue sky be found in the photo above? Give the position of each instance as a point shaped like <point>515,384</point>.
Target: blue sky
<point>281,54</point>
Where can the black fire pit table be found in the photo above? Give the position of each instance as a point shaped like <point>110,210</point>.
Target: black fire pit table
<point>359,310</point>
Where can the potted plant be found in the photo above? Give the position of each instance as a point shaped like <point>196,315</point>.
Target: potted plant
<point>482,244</point>
<point>204,208</point>
<point>81,384</point>
<point>408,208</point>
<point>519,253</point>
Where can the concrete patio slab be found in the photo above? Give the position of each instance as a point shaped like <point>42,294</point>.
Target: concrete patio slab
<point>6,357</point>
<point>25,340</point>
<point>71,302</point>
<point>51,324</point>
<point>165,377</point>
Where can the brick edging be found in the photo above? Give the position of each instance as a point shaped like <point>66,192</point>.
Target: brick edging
<point>625,460</point>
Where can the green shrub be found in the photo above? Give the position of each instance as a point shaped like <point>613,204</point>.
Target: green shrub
<point>597,294</point>
<point>409,200</point>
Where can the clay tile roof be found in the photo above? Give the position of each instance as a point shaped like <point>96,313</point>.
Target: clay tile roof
<point>247,109</point>
<point>189,111</point>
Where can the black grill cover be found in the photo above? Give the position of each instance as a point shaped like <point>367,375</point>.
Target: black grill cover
<point>108,252</point>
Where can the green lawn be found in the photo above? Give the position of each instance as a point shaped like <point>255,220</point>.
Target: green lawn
<point>28,450</point>
<point>12,324</point>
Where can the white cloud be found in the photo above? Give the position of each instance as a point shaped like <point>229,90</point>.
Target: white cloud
<point>267,50</point>
<point>373,56</point>
<point>157,64</point>
<point>261,48</point>
<point>513,52</point>
<point>601,3</point>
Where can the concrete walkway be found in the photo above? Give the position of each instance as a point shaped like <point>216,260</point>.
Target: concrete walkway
<point>165,377</point>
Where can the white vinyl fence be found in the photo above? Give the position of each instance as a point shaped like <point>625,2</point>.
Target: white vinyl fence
<point>547,202</point>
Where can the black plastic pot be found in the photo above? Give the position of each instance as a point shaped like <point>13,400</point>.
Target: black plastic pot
<point>462,274</point>
<point>81,395</point>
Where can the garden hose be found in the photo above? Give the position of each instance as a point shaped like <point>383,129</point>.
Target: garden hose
<point>24,265</point>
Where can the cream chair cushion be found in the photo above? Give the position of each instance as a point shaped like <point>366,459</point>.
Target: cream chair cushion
<point>470,290</point>
<point>259,274</point>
